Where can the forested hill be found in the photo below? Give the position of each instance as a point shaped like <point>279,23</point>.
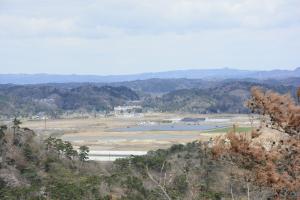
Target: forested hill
<point>170,95</point>
<point>161,86</point>
<point>32,99</point>
<point>222,97</point>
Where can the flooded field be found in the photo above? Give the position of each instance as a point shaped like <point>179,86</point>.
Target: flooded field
<point>136,134</point>
<point>129,137</point>
<point>170,127</point>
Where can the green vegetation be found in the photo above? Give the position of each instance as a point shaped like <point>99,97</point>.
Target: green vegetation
<point>55,170</point>
<point>54,100</point>
<point>228,129</point>
<point>3,128</point>
<point>234,166</point>
<point>16,123</point>
<point>175,95</point>
<point>83,153</point>
<point>220,97</point>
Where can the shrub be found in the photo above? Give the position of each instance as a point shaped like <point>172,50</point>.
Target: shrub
<point>281,110</point>
<point>28,153</point>
<point>83,153</point>
<point>180,183</point>
<point>133,183</point>
<point>277,168</point>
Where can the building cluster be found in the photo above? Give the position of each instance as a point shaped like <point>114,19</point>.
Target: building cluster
<point>120,110</point>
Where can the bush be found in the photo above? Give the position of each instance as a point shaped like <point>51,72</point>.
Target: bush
<point>180,184</point>
<point>30,174</point>
<point>29,154</point>
<point>153,160</point>
<point>176,148</point>
<point>132,183</point>
<point>211,195</point>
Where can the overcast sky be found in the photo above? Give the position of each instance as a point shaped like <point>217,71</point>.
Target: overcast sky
<point>132,36</point>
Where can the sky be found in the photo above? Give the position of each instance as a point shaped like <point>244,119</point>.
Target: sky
<point>134,36</point>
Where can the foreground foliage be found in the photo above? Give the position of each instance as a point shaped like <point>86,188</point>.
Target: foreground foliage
<point>278,166</point>
<point>235,166</point>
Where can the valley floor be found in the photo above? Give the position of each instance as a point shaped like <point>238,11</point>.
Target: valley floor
<point>116,134</point>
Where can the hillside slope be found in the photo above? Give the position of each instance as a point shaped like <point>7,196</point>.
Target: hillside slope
<point>223,97</point>
<point>171,95</point>
<point>32,99</point>
<point>33,170</point>
<point>260,164</point>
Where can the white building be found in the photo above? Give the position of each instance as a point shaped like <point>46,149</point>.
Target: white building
<point>127,109</point>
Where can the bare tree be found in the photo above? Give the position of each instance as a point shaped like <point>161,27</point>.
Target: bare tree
<point>161,184</point>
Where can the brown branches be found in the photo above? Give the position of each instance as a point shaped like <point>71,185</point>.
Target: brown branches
<point>278,167</point>
<point>298,95</point>
<point>158,183</point>
<point>282,111</point>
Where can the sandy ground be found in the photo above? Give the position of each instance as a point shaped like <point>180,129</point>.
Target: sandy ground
<point>99,134</point>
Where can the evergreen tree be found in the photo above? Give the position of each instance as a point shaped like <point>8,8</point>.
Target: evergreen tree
<point>83,153</point>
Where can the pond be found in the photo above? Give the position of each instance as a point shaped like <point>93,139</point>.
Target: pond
<point>127,137</point>
<point>168,127</point>
<point>145,132</point>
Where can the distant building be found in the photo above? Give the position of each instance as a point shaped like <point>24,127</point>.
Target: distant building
<point>127,109</point>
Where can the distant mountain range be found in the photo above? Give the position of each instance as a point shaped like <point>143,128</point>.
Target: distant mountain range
<point>204,74</point>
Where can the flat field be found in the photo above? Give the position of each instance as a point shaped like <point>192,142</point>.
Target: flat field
<point>111,134</point>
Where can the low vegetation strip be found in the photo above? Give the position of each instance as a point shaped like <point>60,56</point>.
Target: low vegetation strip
<point>229,129</point>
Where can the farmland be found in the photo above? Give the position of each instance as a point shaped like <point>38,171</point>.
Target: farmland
<point>109,133</point>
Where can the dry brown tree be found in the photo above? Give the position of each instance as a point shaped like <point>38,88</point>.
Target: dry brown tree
<point>279,167</point>
<point>282,111</point>
<point>298,94</point>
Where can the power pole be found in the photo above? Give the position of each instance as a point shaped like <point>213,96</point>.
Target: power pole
<point>45,122</point>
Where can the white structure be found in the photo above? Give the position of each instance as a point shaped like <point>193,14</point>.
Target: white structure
<point>127,109</point>
<point>113,155</point>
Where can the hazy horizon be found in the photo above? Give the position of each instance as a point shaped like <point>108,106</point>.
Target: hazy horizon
<point>146,72</point>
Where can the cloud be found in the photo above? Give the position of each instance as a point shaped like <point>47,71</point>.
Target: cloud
<point>15,26</point>
<point>109,18</point>
<point>127,36</point>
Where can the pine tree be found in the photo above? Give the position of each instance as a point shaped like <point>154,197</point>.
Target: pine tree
<point>83,153</point>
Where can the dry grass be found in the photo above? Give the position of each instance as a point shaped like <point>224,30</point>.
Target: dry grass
<point>92,127</point>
